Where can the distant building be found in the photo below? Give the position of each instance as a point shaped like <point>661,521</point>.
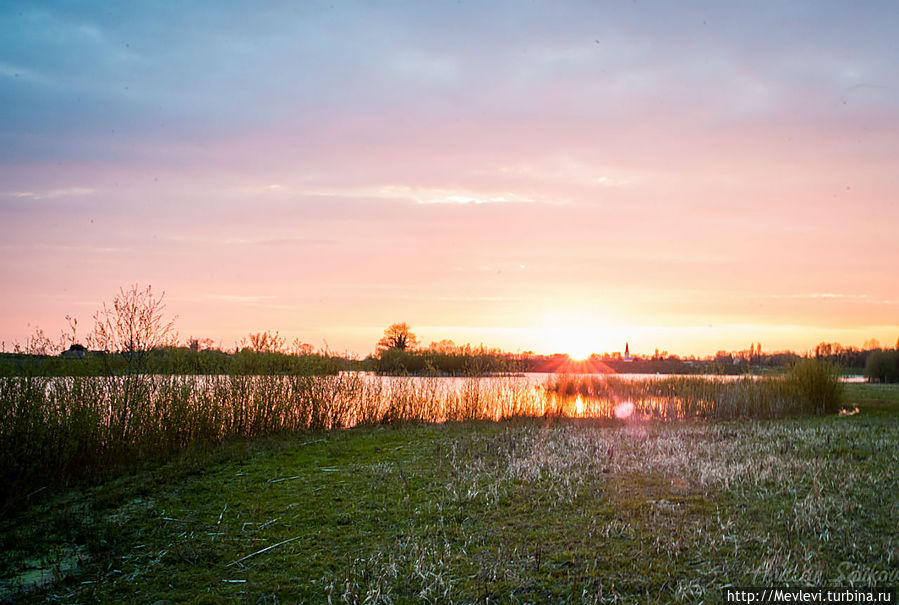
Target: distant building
<point>75,351</point>
<point>627,352</point>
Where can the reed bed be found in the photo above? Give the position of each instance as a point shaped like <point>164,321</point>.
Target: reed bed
<point>58,428</point>
<point>810,387</point>
<point>53,429</point>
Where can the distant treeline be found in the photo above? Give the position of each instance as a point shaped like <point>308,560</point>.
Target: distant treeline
<point>473,362</point>
<point>134,335</point>
<point>883,366</point>
<point>875,363</point>
<point>174,360</point>
<point>878,365</point>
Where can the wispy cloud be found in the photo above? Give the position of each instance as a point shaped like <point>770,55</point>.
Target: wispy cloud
<point>68,247</point>
<point>274,242</point>
<point>412,193</point>
<point>569,170</point>
<point>20,72</point>
<point>245,299</point>
<point>51,193</point>
<point>836,296</point>
<point>822,295</point>
<point>456,198</point>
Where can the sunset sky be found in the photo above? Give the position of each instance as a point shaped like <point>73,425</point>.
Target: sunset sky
<point>547,176</point>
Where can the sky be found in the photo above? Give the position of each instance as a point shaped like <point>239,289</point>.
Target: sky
<point>546,176</point>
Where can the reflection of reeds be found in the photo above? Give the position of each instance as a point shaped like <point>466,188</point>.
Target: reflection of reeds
<point>54,429</point>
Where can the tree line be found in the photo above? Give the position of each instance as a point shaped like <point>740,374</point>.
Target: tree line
<point>134,334</point>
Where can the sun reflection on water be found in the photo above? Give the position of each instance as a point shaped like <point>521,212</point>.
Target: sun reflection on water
<point>579,405</point>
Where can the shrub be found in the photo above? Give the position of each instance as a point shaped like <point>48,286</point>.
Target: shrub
<point>816,385</point>
<point>882,366</point>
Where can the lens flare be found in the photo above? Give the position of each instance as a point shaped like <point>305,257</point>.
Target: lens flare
<point>624,410</point>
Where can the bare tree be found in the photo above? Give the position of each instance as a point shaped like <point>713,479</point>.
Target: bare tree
<point>398,336</point>
<point>298,347</point>
<point>200,344</point>
<point>37,344</point>
<point>266,342</point>
<point>134,325</point>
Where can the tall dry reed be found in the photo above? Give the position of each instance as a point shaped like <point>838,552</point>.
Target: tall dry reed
<point>56,429</point>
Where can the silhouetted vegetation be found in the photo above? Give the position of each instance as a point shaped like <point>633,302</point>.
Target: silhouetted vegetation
<point>851,359</point>
<point>398,337</point>
<point>463,361</point>
<point>176,360</point>
<point>397,355</point>
<point>883,366</point>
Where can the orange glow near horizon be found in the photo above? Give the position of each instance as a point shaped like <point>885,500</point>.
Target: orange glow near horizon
<point>578,334</point>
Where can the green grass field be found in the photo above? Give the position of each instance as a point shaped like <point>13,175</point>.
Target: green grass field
<point>517,511</point>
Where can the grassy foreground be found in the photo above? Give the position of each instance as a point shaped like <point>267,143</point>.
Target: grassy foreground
<point>520,510</point>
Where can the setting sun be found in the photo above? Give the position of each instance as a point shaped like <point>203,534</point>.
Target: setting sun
<point>580,336</point>
<point>578,351</point>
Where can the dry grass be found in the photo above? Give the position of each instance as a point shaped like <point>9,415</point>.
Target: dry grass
<point>542,510</point>
<point>524,510</point>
